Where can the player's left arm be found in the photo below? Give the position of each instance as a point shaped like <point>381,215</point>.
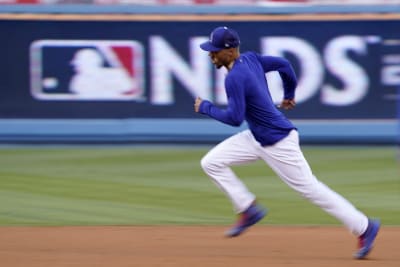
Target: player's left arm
<point>287,104</point>
<point>287,74</point>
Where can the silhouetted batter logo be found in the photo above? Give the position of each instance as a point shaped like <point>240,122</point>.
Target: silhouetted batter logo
<point>87,70</point>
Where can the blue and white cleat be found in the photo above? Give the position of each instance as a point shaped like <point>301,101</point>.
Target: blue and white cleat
<point>366,240</point>
<point>249,217</point>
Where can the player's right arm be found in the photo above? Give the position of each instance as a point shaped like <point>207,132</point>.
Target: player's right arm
<point>197,104</point>
<point>233,114</point>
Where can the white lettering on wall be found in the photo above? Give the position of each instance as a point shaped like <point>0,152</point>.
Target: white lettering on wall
<point>199,78</point>
<point>167,64</point>
<point>391,70</point>
<point>355,80</point>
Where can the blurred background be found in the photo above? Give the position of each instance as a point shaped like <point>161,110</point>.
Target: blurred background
<point>126,72</point>
<point>211,2</point>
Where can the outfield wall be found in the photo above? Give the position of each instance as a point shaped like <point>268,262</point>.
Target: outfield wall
<point>348,67</point>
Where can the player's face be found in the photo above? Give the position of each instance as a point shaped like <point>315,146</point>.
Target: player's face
<point>221,58</point>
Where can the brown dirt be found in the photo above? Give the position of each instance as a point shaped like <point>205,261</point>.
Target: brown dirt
<point>190,246</point>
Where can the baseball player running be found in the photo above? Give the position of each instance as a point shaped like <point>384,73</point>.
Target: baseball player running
<point>270,137</point>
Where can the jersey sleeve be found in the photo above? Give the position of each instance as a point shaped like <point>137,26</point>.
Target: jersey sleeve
<point>234,112</point>
<point>286,72</point>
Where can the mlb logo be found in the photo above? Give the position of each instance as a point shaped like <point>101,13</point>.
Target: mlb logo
<point>87,70</point>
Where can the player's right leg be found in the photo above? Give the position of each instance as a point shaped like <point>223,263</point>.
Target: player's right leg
<point>367,239</point>
<point>238,149</point>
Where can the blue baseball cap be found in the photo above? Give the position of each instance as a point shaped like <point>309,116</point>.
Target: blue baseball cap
<point>221,38</point>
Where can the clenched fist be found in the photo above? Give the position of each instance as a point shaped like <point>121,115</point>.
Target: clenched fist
<point>197,103</point>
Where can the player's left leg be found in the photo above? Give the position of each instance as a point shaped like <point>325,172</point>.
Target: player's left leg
<point>287,160</point>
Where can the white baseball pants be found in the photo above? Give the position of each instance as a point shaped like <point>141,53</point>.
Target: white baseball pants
<point>286,159</point>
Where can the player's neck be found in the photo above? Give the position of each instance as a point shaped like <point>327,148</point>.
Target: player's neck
<point>230,65</point>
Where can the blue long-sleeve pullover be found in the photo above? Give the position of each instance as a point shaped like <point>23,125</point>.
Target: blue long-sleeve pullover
<point>249,97</point>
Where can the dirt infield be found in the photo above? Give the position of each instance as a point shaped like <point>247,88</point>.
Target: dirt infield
<point>190,246</point>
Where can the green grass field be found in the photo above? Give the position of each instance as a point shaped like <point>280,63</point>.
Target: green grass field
<point>165,185</point>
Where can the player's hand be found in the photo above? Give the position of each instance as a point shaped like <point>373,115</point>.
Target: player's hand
<point>197,103</point>
<point>288,104</point>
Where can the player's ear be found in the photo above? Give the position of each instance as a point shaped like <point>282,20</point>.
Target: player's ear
<point>231,51</point>
<point>234,51</point>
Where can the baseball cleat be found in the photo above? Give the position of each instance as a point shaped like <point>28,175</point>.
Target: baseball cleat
<point>366,240</point>
<point>251,216</point>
